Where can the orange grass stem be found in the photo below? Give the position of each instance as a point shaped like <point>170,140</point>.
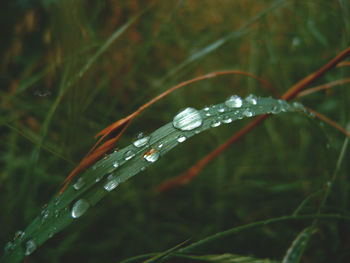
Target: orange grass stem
<point>290,94</point>
<point>322,87</point>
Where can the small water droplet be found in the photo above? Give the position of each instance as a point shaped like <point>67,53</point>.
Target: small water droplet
<point>52,232</point>
<point>18,235</point>
<point>30,247</point>
<point>187,120</point>
<point>57,213</point>
<point>215,123</point>
<point>141,140</point>
<point>79,208</point>
<point>111,184</point>
<point>143,168</point>
<point>329,184</point>
<point>284,105</point>
<point>234,102</point>
<point>298,106</point>
<point>247,113</point>
<point>44,214</point>
<point>276,109</point>
<point>160,145</point>
<point>206,108</point>
<point>79,183</point>
<point>151,156</point>
<point>221,109</point>
<point>181,138</point>
<point>115,164</point>
<point>57,201</point>
<point>208,114</point>
<point>94,167</point>
<point>227,119</point>
<point>8,246</point>
<point>252,99</point>
<point>129,155</point>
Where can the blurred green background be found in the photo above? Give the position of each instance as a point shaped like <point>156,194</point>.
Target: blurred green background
<point>50,113</point>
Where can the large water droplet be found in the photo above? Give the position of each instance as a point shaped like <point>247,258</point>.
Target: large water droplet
<point>30,247</point>
<point>79,183</point>
<point>247,113</point>
<point>181,138</point>
<point>252,99</point>
<point>234,102</point>
<point>129,155</point>
<point>151,156</point>
<point>111,184</point>
<point>141,140</point>
<point>79,208</point>
<point>188,119</point>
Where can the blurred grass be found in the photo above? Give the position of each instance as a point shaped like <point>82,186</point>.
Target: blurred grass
<point>265,175</point>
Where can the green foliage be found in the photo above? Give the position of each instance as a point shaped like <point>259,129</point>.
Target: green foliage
<point>71,68</point>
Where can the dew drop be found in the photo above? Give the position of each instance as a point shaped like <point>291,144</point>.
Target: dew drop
<point>52,232</point>
<point>208,114</point>
<point>160,145</point>
<point>30,247</point>
<point>111,184</point>
<point>8,246</point>
<point>79,183</point>
<point>57,213</point>
<point>187,120</point>
<point>141,140</point>
<point>221,109</point>
<point>206,108</point>
<point>18,235</point>
<point>115,164</point>
<point>129,155</point>
<point>181,138</point>
<point>79,208</point>
<point>215,123</point>
<point>247,113</point>
<point>234,102</point>
<point>276,109</point>
<point>44,214</point>
<point>94,167</point>
<point>227,119</point>
<point>298,106</point>
<point>251,99</point>
<point>151,156</point>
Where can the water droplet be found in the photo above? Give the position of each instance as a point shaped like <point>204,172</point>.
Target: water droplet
<point>208,114</point>
<point>160,145</point>
<point>151,156</point>
<point>298,106</point>
<point>247,113</point>
<point>251,99</point>
<point>234,102</point>
<point>57,201</point>
<point>115,164</point>
<point>52,232</point>
<point>18,235</point>
<point>111,184</point>
<point>206,108</point>
<point>143,168</point>
<point>188,119</point>
<point>181,138</point>
<point>284,105</point>
<point>79,183</point>
<point>276,109</point>
<point>227,119</point>
<point>215,123</point>
<point>79,208</point>
<point>57,213</point>
<point>94,167</point>
<point>8,246</point>
<point>129,155</point>
<point>30,247</point>
<point>221,109</point>
<point>44,214</point>
<point>141,140</point>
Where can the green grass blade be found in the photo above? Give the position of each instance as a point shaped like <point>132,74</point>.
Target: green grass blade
<point>119,166</point>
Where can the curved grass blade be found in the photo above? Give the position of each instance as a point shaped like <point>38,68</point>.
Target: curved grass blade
<point>119,166</point>
<point>295,251</point>
<point>226,258</point>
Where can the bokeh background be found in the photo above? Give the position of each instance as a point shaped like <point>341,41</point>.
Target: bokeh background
<point>51,108</point>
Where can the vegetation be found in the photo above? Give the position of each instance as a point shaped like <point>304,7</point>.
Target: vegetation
<point>276,192</point>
